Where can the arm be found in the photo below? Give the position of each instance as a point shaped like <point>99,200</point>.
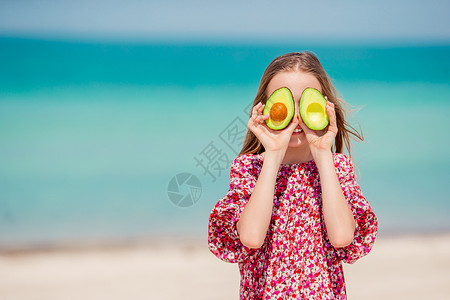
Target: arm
<point>338,217</point>
<point>255,218</point>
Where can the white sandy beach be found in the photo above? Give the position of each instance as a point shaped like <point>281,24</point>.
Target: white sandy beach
<point>405,267</point>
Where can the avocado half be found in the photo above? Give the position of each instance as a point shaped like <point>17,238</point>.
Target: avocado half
<point>280,109</point>
<point>313,109</point>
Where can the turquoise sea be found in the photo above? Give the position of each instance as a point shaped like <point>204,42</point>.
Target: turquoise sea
<point>92,134</point>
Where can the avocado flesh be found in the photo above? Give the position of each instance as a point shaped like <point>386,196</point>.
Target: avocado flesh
<point>313,109</point>
<point>280,109</point>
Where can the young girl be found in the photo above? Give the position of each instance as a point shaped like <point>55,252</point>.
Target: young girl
<point>294,210</point>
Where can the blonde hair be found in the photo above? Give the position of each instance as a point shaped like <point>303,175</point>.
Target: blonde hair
<point>306,62</point>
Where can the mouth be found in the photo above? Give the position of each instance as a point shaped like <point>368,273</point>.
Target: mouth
<point>297,130</point>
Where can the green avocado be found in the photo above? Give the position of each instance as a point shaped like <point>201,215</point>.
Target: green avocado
<point>280,109</point>
<point>313,109</point>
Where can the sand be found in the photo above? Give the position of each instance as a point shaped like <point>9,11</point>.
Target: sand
<point>399,267</point>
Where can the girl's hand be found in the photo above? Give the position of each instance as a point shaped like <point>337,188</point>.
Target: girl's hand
<point>321,140</point>
<point>272,140</point>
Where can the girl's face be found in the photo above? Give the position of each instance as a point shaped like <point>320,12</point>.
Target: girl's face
<point>296,81</point>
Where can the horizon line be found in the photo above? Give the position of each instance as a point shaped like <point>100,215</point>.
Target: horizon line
<point>227,40</point>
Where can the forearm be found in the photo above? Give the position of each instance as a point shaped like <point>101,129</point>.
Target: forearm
<point>338,216</point>
<point>255,218</point>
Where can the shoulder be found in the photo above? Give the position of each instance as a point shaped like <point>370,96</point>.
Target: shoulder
<point>342,163</point>
<point>247,163</point>
<point>247,160</point>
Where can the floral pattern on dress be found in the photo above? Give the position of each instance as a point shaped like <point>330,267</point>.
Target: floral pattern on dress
<point>296,260</point>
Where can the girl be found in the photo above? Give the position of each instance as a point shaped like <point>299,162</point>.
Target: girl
<point>294,210</point>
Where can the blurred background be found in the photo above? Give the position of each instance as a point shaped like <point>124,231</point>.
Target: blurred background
<point>119,120</point>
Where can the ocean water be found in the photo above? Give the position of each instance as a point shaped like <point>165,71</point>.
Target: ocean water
<point>92,135</point>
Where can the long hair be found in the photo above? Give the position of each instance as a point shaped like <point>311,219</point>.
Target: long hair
<point>306,62</point>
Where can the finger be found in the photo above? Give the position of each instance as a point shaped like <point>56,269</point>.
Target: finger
<point>257,122</point>
<point>258,110</point>
<point>259,113</point>
<point>331,114</point>
<point>261,108</point>
<point>291,127</point>
<point>296,119</point>
<point>261,118</point>
<point>254,117</point>
<point>259,129</point>
<point>302,124</point>
<point>255,109</point>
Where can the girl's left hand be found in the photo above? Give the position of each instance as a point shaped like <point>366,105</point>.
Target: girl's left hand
<point>321,140</point>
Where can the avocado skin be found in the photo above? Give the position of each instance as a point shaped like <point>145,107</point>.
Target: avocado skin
<point>284,96</point>
<point>311,96</point>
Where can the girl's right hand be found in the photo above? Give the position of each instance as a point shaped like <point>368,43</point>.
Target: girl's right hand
<point>272,140</point>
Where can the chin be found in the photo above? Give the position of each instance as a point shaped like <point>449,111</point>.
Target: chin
<point>297,142</point>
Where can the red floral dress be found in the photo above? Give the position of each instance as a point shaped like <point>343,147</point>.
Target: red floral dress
<point>296,260</point>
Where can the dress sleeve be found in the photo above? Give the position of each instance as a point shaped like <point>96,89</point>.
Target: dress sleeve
<point>366,221</point>
<point>223,238</point>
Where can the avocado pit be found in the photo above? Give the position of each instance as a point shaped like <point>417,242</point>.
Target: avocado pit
<point>278,112</point>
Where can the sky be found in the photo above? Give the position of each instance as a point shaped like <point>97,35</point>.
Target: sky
<point>354,20</point>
